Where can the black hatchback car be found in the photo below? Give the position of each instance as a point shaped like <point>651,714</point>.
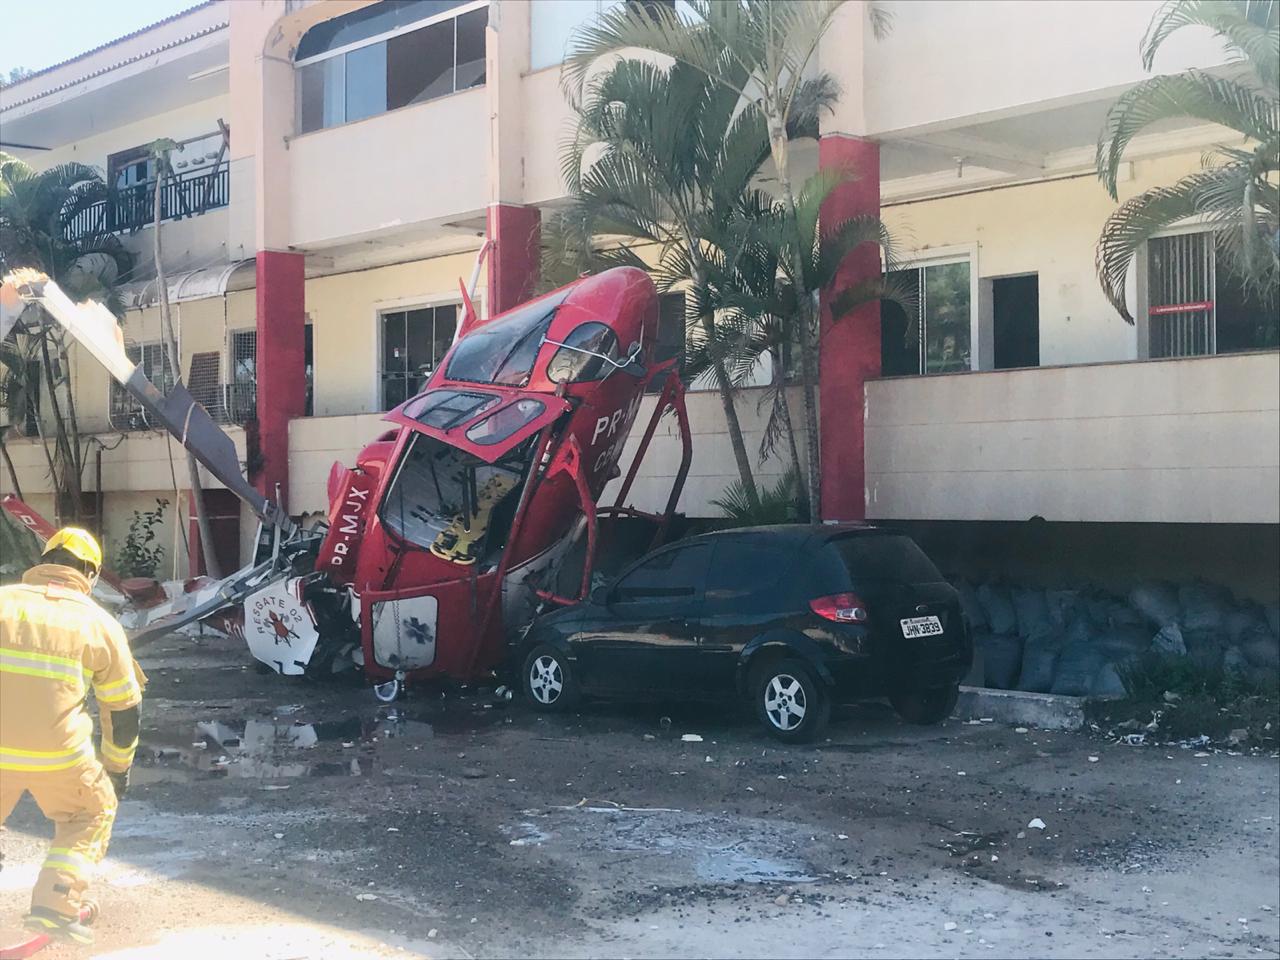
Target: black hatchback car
<point>791,618</point>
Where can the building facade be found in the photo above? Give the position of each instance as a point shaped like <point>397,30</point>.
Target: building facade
<point>344,162</point>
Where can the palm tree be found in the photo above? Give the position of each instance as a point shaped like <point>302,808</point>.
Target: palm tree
<point>48,221</point>
<point>660,156</point>
<point>760,51</point>
<point>1236,191</point>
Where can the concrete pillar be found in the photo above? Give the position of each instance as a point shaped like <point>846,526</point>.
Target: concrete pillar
<point>850,352</point>
<point>281,364</point>
<point>513,228</point>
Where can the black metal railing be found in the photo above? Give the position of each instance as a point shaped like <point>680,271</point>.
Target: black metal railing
<point>187,194</point>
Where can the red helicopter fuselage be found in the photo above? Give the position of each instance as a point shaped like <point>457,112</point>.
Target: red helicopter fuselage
<point>452,527</point>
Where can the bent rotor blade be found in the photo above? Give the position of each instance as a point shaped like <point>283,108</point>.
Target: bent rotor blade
<point>94,327</point>
<point>42,529</point>
<point>204,602</point>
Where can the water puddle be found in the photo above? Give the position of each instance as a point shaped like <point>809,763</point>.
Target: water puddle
<point>279,748</point>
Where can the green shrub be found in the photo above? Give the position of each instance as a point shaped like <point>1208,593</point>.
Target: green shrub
<point>142,553</point>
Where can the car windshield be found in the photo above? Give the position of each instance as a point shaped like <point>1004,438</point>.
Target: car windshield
<point>503,351</point>
<point>885,557</point>
<point>447,500</point>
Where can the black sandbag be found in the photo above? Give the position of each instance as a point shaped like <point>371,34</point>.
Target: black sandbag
<point>1157,601</point>
<point>1204,649</point>
<point>1039,657</point>
<point>1074,669</point>
<point>995,601</point>
<point>1032,611</point>
<point>971,605</point>
<point>1204,606</point>
<point>1001,659</point>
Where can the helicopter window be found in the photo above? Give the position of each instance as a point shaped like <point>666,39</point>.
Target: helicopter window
<point>581,358</point>
<point>503,351</point>
<point>446,500</point>
<point>445,409</point>
<point>498,426</point>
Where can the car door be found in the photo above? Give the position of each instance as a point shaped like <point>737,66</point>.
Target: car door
<point>747,592</point>
<point>646,639</point>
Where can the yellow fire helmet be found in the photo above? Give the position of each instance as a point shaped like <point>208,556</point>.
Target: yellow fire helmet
<point>79,543</point>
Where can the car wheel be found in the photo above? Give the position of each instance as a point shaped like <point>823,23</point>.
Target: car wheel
<point>549,683</point>
<point>789,701</point>
<point>926,706</point>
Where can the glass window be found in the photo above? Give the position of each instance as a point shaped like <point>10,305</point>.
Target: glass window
<point>674,576</point>
<point>420,64</point>
<point>445,409</point>
<point>385,16</point>
<point>940,303</point>
<point>414,343</point>
<point>498,426</point>
<point>746,577</point>
<point>470,67</point>
<point>575,363</point>
<point>366,81</point>
<point>886,558</point>
<point>503,350</point>
<point>395,71</point>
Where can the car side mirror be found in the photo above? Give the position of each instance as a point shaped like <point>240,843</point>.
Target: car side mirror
<point>600,595</point>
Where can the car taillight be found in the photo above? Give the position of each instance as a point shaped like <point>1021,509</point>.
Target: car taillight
<point>840,607</point>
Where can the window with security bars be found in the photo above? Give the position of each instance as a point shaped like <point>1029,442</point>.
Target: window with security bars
<point>126,413</point>
<point>241,393</point>
<point>1196,306</point>
<point>414,342</point>
<point>242,390</point>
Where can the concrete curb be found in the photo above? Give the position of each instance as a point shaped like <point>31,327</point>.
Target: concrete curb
<point>1042,710</point>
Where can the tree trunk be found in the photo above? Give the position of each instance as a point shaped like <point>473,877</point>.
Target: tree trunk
<point>725,388</point>
<point>171,350</point>
<point>805,314</point>
<point>8,463</point>
<point>784,408</point>
<point>67,482</point>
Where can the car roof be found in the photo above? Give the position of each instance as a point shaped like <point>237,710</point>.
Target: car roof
<point>790,534</point>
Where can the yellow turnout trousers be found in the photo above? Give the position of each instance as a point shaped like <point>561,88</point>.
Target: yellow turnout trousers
<point>82,805</point>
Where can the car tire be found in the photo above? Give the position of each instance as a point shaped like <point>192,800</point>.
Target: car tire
<point>926,707</point>
<point>790,702</point>
<point>548,680</point>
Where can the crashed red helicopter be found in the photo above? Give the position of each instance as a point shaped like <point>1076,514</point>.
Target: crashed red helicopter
<point>453,527</point>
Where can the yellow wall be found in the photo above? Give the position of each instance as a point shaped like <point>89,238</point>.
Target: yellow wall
<point>1045,228</point>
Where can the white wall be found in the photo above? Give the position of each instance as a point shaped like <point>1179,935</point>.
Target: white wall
<point>411,165</point>
<point>945,60</point>
<point>1193,440</point>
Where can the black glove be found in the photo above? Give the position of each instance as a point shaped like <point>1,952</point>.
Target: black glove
<point>120,781</point>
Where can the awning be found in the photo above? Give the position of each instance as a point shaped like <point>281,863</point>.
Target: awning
<point>212,281</point>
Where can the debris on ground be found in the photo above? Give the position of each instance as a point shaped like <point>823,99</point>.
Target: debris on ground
<point>1036,824</point>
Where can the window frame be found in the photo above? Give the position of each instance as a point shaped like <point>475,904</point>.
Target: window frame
<point>941,257</point>
<point>121,404</point>
<point>298,65</point>
<point>406,305</point>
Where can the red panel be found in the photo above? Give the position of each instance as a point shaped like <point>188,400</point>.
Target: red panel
<point>850,353</point>
<point>513,262</point>
<point>281,363</point>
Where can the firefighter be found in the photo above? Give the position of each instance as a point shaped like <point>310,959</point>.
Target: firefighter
<point>56,643</point>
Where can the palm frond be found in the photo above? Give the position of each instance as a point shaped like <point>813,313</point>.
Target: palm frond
<point>1136,221</point>
<point>1191,94</point>
<point>1249,26</point>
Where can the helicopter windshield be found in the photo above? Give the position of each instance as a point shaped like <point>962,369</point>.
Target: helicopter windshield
<point>446,500</point>
<point>503,351</point>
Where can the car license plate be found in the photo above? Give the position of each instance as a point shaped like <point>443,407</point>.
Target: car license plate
<point>914,627</point>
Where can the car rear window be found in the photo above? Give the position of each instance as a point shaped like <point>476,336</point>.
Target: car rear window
<point>880,557</point>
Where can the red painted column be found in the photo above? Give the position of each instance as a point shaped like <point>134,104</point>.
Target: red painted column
<point>513,261</point>
<point>281,364</point>
<point>849,355</point>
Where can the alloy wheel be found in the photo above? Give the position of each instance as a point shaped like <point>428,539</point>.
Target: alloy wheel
<point>546,679</point>
<point>784,702</point>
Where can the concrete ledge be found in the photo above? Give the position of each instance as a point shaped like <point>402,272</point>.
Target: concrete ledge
<point>1043,710</point>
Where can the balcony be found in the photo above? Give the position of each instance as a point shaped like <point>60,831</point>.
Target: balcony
<point>1186,440</point>
<point>130,208</point>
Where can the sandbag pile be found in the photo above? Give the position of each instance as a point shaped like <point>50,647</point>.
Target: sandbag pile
<point>1074,642</point>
